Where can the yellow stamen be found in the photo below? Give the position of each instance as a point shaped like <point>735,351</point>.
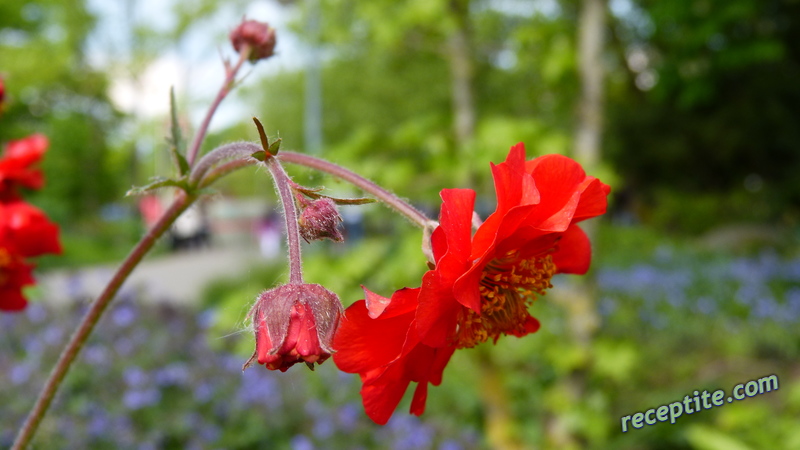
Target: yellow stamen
<point>508,286</point>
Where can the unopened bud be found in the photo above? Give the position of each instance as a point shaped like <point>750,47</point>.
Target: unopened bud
<point>320,220</point>
<point>294,323</point>
<point>259,36</point>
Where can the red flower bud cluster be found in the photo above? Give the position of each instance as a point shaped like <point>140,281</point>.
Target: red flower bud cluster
<point>258,36</point>
<point>25,231</point>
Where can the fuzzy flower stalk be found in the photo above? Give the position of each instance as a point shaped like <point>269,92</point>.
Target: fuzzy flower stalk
<point>295,322</point>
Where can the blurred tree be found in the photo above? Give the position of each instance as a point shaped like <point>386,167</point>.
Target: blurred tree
<point>53,90</point>
<point>704,120</point>
<point>425,86</point>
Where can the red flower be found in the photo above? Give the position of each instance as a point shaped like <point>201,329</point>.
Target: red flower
<point>294,323</point>
<point>24,232</point>
<point>15,165</point>
<point>482,284</point>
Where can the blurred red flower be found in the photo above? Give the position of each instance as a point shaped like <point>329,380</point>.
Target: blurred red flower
<point>16,165</point>
<point>25,232</point>
<point>481,285</point>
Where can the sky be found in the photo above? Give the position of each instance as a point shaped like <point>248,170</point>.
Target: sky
<point>193,65</point>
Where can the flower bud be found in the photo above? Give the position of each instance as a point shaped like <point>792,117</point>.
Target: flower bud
<point>320,220</point>
<point>294,323</point>
<point>259,36</point>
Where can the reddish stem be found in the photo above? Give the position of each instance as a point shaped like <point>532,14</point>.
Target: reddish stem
<point>382,194</point>
<point>230,76</point>
<point>284,185</point>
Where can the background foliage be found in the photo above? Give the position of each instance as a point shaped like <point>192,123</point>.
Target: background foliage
<point>696,274</point>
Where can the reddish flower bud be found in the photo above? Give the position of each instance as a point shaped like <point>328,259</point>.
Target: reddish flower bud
<point>320,220</point>
<point>294,323</point>
<point>259,36</point>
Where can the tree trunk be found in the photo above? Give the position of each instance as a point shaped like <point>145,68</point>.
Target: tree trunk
<point>580,303</point>
<point>591,36</point>
<point>461,71</point>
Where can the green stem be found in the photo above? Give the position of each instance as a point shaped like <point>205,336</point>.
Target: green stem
<point>393,201</point>
<point>89,321</point>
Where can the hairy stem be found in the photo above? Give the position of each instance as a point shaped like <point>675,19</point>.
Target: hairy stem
<point>238,151</point>
<point>89,321</point>
<point>223,169</point>
<point>284,186</point>
<point>393,201</point>
<point>230,77</point>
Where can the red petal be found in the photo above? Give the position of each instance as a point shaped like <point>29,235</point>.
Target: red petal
<point>593,200</point>
<point>11,299</point>
<point>30,148</point>
<point>307,342</point>
<point>574,252</point>
<point>532,325</point>
<point>363,344</point>
<point>558,180</point>
<point>382,392</point>
<point>442,357</point>
<point>402,301</point>
<point>420,397</point>
<point>28,229</point>
<point>437,313</point>
<point>514,187</point>
<point>456,223</point>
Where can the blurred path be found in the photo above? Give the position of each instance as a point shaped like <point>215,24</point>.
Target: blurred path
<point>177,277</point>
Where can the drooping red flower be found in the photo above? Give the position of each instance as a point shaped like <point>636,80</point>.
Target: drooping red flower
<point>482,284</point>
<point>294,323</point>
<point>25,232</point>
<point>16,165</point>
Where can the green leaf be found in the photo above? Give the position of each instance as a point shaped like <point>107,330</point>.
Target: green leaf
<point>176,139</point>
<point>156,183</point>
<point>275,147</point>
<point>351,201</point>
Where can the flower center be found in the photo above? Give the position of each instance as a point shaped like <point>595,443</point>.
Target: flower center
<point>508,286</point>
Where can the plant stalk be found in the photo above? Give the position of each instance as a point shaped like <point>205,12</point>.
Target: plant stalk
<point>90,319</point>
<point>393,201</point>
